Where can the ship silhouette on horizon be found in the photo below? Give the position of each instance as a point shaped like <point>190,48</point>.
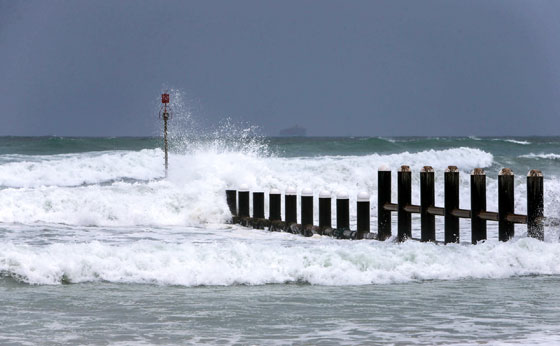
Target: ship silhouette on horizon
<point>294,131</point>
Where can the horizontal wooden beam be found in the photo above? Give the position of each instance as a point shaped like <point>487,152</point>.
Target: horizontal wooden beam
<point>435,211</point>
<point>462,213</point>
<point>390,207</point>
<point>488,215</point>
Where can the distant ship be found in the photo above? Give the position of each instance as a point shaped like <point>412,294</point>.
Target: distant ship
<point>294,131</point>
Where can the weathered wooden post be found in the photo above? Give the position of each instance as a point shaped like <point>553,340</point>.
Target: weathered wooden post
<point>505,204</point>
<point>363,215</point>
<point>258,210</point>
<point>274,205</point>
<point>290,201</point>
<point>404,191</point>
<point>306,207</point>
<point>258,205</point>
<point>535,205</point>
<point>342,212</point>
<point>478,204</point>
<point>231,198</point>
<point>451,187</point>
<point>325,218</point>
<point>383,197</point>
<point>243,197</point>
<point>427,200</point>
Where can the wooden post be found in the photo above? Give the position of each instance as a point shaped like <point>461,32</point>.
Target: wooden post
<point>535,205</point>
<point>342,211</point>
<point>290,201</point>
<point>478,204</point>
<point>505,204</point>
<point>231,197</point>
<point>306,207</point>
<point>258,205</point>
<point>325,210</point>
<point>383,197</point>
<point>404,186</point>
<point>427,199</point>
<point>243,197</point>
<point>274,205</point>
<point>451,187</point>
<point>363,215</point>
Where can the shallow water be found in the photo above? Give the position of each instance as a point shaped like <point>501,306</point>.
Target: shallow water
<point>518,310</point>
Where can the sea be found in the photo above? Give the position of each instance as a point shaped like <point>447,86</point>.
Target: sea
<point>98,246</point>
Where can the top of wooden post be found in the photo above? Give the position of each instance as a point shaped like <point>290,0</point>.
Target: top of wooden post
<point>534,173</point>
<point>404,168</point>
<point>478,171</point>
<point>427,169</point>
<point>452,169</point>
<point>384,168</point>
<point>506,171</point>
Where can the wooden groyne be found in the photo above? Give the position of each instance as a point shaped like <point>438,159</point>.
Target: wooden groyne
<point>239,205</point>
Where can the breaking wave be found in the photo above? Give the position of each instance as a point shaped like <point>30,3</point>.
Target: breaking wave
<point>312,261</point>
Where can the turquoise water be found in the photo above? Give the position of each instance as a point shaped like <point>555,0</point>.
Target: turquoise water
<point>98,247</point>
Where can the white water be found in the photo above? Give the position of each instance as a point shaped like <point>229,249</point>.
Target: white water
<point>110,216</point>
<point>267,259</point>
<point>121,188</point>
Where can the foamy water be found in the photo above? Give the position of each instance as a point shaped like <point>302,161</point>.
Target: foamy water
<point>102,196</point>
<point>96,238</point>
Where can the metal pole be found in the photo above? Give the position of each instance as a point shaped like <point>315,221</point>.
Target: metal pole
<point>165,118</point>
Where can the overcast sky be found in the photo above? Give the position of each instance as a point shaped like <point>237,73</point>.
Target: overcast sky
<point>369,68</point>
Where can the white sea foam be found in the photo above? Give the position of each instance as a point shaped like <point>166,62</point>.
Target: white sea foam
<point>318,262</point>
<point>78,169</point>
<point>549,156</point>
<point>516,141</point>
<point>49,190</point>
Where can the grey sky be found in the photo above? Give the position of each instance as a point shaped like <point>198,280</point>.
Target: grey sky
<point>372,68</point>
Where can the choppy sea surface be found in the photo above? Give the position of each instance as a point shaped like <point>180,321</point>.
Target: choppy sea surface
<point>97,246</point>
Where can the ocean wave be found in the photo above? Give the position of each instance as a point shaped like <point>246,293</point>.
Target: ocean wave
<point>549,156</point>
<point>514,141</point>
<point>79,169</point>
<point>317,262</point>
<point>107,190</point>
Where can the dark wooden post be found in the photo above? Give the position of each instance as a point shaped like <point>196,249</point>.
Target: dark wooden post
<point>325,210</point>
<point>451,187</point>
<point>478,204</point>
<point>258,205</point>
<point>505,204</point>
<point>290,201</point>
<point>535,205</point>
<point>274,205</point>
<point>243,197</point>
<point>404,186</point>
<point>383,197</point>
<point>342,211</point>
<point>363,215</point>
<point>231,197</point>
<point>306,208</point>
<point>427,199</point>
